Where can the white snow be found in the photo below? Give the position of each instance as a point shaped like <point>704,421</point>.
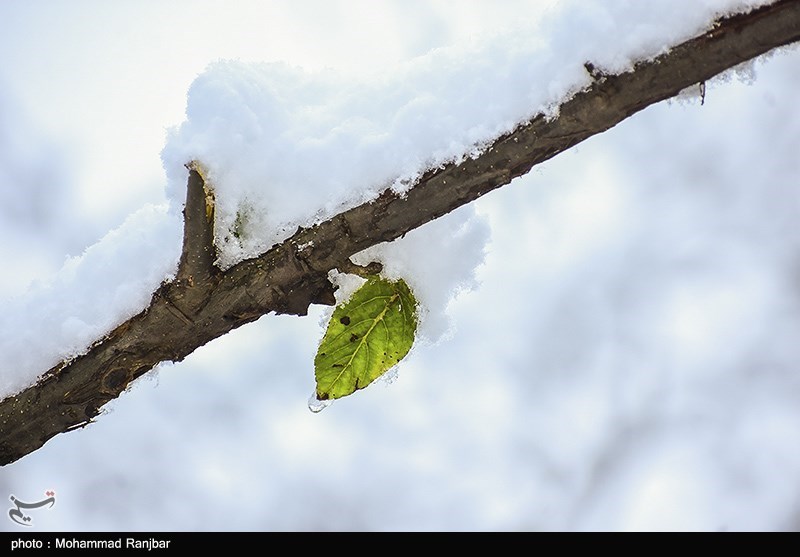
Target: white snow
<point>628,362</point>
<point>286,147</point>
<point>437,262</point>
<point>91,294</point>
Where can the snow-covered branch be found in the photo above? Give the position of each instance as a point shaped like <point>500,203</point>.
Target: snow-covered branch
<point>204,302</point>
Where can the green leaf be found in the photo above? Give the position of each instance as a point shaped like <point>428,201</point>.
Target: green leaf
<point>366,337</point>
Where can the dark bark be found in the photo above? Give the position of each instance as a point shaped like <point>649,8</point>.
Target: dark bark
<point>203,303</point>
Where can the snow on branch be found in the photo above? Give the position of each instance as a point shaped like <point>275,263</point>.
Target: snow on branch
<point>204,302</point>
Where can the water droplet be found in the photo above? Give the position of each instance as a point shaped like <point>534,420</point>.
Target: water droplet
<point>316,405</point>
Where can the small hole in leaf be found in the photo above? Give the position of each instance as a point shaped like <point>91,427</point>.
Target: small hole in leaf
<point>353,337</point>
<point>345,320</point>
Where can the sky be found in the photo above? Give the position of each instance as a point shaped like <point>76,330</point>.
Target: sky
<point>622,360</point>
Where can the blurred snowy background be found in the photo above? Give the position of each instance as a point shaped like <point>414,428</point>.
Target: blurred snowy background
<point>628,360</point>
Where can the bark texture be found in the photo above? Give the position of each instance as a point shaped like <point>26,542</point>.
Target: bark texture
<point>203,303</point>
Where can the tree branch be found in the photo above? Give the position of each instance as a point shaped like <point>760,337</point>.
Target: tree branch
<point>197,275</point>
<point>203,303</point>
<point>199,253</point>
